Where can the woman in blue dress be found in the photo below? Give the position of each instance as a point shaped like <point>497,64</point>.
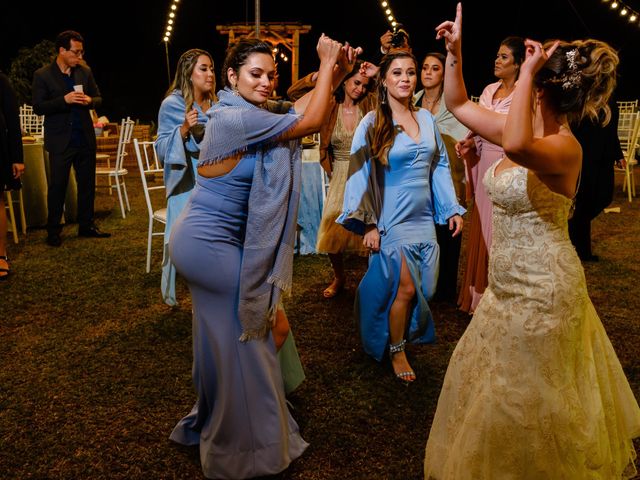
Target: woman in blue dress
<point>233,243</point>
<point>181,121</point>
<point>399,187</point>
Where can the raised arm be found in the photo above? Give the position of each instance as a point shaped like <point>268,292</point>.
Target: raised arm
<point>344,65</point>
<point>318,103</point>
<point>486,123</point>
<point>549,153</point>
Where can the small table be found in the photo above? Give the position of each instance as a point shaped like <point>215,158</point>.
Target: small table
<point>34,187</point>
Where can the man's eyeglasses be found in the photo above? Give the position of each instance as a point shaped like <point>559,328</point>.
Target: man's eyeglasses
<point>77,53</point>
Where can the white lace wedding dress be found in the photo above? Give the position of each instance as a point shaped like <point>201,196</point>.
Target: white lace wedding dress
<point>534,389</point>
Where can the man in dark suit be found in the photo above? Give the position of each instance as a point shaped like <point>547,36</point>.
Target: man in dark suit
<point>65,92</point>
<point>600,150</point>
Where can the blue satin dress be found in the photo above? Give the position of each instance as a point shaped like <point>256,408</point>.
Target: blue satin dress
<point>412,193</point>
<point>240,420</point>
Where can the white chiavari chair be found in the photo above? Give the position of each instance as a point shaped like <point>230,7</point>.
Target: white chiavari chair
<point>149,167</point>
<point>117,173</point>
<point>628,133</point>
<point>627,106</point>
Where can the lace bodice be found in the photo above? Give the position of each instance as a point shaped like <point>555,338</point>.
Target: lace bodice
<point>529,235</point>
<point>527,212</point>
<point>534,390</point>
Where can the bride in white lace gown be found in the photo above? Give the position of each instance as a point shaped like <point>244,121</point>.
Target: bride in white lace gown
<point>534,389</point>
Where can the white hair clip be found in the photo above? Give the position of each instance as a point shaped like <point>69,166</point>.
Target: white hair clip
<point>572,77</point>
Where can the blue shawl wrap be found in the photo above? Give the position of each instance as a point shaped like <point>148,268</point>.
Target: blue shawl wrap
<point>234,126</point>
<point>178,159</point>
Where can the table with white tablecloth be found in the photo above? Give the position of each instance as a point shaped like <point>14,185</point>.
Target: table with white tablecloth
<point>34,187</point>
<point>310,210</point>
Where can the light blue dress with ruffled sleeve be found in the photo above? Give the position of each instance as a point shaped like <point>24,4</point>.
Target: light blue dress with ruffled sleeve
<point>404,200</point>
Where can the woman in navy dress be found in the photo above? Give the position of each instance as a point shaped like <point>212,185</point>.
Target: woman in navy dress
<point>399,187</point>
<point>233,243</point>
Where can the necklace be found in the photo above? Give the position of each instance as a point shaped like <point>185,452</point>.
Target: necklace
<point>429,103</point>
<point>348,110</point>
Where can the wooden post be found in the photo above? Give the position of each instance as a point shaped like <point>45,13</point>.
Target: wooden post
<point>257,7</point>
<point>295,56</point>
<point>166,51</point>
<point>287,34</point>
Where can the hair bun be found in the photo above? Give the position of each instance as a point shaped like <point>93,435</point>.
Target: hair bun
<point>579,78</point>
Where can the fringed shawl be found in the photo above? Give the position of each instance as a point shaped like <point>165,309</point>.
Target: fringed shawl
<point>236,126</point>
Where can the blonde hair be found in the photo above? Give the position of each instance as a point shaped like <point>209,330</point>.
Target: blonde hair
<point>384,133</point>
<point>579,79</point>
<point>182,80</point>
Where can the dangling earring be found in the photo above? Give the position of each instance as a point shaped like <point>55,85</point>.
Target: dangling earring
<point>383,100</point>
<point>235,90</point>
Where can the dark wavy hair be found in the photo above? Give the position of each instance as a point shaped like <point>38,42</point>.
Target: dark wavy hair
<point>517,48</point>
<point>339,92</point>
<point>579,79</point>
<point>442,59</point>
<point>384,133</point>
<point>238,53</point>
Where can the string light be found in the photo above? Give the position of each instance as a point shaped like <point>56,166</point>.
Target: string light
<point>624,11</point>
<point>278,53</point>
<point>386,9</point>
<point>170,21</point>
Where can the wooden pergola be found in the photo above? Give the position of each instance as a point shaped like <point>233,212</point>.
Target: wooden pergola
<point>286,34</point>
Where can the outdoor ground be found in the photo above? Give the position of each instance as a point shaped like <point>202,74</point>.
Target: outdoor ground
<point>95,370</point>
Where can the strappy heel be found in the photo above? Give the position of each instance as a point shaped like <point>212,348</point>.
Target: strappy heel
<point>405,377</point>
<point>5,270</point>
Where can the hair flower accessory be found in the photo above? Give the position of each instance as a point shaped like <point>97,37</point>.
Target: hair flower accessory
<point>572,77</point>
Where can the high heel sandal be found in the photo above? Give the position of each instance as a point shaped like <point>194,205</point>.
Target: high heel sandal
<point>5,270</point>
<point>408,376</point>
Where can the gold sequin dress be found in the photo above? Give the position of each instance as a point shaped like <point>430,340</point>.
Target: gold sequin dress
<point>333,237</point>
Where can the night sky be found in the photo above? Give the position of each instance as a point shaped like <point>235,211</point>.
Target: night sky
<point>123,40</point>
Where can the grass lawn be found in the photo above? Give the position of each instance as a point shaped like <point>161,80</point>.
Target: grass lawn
<point>95,370</point>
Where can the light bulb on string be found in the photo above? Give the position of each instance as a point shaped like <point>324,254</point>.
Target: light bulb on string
<point>388,12</point>
<point>624,10</point>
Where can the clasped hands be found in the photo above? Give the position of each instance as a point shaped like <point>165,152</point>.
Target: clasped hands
<point>342,55</point>
<point>77,98</point>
